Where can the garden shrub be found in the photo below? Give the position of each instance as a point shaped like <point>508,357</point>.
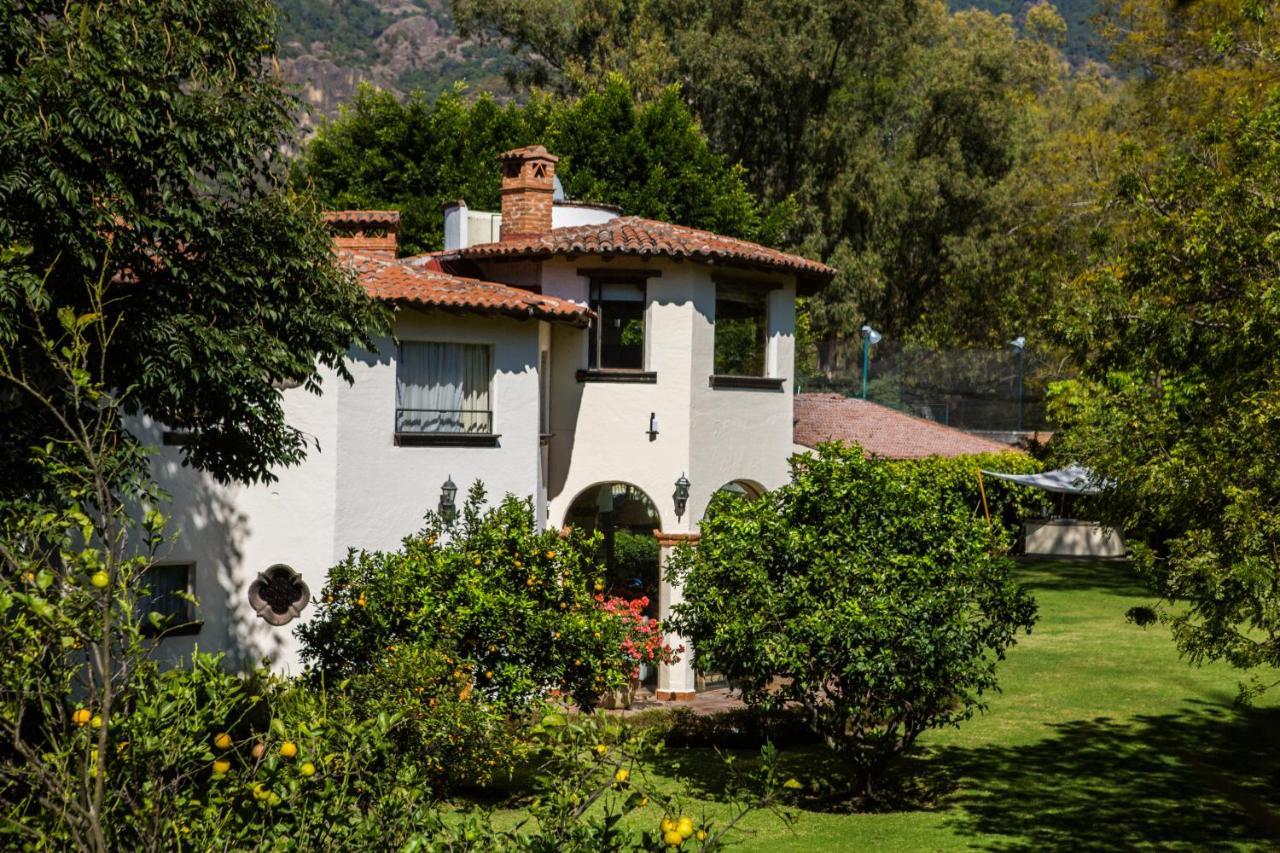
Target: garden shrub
<point>864,592</point>
<point>469,625</point>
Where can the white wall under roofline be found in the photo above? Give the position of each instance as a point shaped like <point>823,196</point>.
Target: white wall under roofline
<point>356,488</point>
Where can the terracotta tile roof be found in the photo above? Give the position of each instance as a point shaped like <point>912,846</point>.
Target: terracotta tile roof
<point>395,281</point>
<point>881,431</point>
<point>389,219</point>
<point>633,236</point>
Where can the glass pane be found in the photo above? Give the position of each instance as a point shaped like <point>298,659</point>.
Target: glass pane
<point>164,583</point>
<point>617,336</point>
<point>741,331</point>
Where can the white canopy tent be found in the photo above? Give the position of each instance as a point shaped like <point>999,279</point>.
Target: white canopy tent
<point>1075,479</point>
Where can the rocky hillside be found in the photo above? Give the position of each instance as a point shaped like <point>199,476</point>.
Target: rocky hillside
<point>328,47</point>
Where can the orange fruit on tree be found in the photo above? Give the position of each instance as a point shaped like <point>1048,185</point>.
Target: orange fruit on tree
<point>684,826</point>
<point>622,776</point>
<point>307,769</point>
<point>222,740</point>
<point>288,749</point>
<point>259,750</point>
<point>96,721</point>
<point>81,717</point>
<point>672,839</point>
<point>667,825</point>
<point>221,766</point>
<point>99,579</point>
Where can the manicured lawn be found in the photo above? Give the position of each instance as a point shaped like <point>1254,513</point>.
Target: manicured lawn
<point>1102,739</point>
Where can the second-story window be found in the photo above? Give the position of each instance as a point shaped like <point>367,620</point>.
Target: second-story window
<point>742,328</point>
<point>443,388</point>
<point>617,335</point>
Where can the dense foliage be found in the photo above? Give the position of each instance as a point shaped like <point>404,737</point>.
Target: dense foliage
<point>944,163</point>
<point>414,155</point>
<point>141,147</point>
<point>864,592</point>
<point>1177,407</point>
<point>468,626</point>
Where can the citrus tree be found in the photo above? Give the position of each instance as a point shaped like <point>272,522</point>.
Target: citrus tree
<point>862,591</point>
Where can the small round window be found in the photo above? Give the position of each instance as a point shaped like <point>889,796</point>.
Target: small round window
<point>279,595</point>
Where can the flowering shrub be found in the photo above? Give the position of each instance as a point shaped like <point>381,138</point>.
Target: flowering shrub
<point>643,641</point>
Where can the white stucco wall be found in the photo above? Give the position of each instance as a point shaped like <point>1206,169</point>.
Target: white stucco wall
<point>713,435</point>
<point>355,489</point>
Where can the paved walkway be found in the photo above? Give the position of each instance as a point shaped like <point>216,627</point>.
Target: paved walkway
<point>714,701</point>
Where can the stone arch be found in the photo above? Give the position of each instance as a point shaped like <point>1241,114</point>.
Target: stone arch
<point>627,517</point>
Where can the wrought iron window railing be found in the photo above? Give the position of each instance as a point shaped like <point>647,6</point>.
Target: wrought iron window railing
<point>426,421</point>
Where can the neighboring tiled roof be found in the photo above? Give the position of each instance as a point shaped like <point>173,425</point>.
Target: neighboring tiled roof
<point>369,218</point>
<point>633,236</point>
<point>395,281</point>
<point>881,431</point>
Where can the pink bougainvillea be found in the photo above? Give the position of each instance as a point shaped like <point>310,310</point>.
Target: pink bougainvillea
<point>642,642</point>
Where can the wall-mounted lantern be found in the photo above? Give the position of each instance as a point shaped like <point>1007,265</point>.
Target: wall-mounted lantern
<point>681,495</point>
<point>448,510</point>
<point>653,426</point>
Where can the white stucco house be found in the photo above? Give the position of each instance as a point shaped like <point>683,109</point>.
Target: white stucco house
<point>558,351</point>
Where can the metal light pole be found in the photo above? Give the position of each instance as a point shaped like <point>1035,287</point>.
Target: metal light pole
<point>869,337</point>
<point>1019,344</point>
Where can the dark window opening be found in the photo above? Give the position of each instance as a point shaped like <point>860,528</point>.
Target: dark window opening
<point>168,592</point>
<point>617,335</point>
<point>742,320</point>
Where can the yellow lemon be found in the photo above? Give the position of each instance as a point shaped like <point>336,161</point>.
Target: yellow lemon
<point>672,839</point>
<point>702,835</point>
<point>667,825</point>
<point>222,740</point>
<point>96,721</point>
<point>307,769</point>
<point>622,776</point>
<point>99,579</point>
<point>221,766</point>
<point>81,717</point>
<point>684,826</point>
<point>288,749</point>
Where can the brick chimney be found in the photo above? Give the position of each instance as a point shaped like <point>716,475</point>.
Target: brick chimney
<point>528,180</point>
<point>366,232</point>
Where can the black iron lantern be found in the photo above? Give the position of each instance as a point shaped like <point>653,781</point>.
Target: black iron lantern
<point>447,493</point>
<point>681,495</point>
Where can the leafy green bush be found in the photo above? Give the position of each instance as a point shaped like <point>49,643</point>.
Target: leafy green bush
<point>868,588</point>
<point>466,627</point>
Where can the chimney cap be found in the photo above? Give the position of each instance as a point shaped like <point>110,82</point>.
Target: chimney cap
<point>529,152</point>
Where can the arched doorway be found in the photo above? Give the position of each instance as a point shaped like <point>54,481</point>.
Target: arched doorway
<point>741,489</point>
<point>626,517</point>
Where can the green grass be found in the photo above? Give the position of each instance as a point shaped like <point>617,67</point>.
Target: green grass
<point>1103,738</point>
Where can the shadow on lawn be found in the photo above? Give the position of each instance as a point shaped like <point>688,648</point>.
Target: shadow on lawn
<point>1207,778</point>
<point>1115,577</point>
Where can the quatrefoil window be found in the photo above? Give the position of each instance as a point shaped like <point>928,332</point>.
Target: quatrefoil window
<point>279,595</point>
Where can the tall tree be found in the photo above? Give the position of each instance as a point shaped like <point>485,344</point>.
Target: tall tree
<point>141,146</point>
<point>909,137</point>
<point>649,158</point>
<point>1178,328</point>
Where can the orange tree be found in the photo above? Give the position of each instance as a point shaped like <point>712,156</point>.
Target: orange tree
<point>864,591</point>
<point>485,615</point>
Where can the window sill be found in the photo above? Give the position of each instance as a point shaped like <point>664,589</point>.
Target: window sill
<point>614,374</point>
<point>750,383</point>
<point>446,439</point>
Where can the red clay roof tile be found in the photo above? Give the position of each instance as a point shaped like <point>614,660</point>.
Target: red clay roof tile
<point>881,431</point>
<point>395,281</point>
<point>631,235</point>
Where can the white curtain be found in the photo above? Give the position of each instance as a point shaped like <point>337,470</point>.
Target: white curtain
<point>443,388</point>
